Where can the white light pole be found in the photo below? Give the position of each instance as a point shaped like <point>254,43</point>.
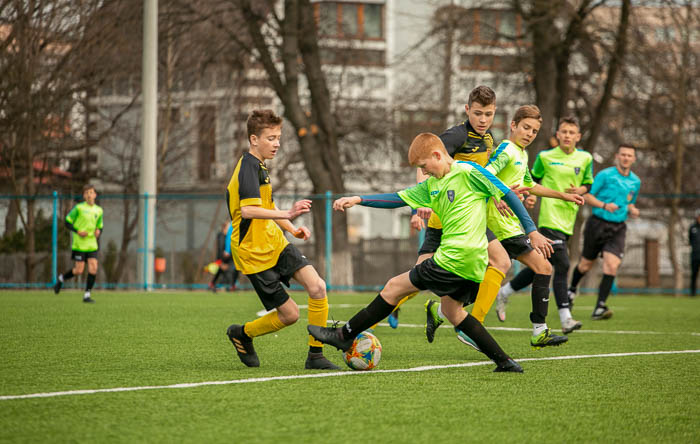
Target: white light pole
<point>147,181</point>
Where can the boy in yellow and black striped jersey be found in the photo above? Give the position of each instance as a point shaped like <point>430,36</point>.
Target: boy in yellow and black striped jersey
<point>261,252</point>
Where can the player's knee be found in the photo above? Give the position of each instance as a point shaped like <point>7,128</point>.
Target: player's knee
<point>79,268</point>
<point>318,289</point>
<point>500,262</point>
<point>391,291</point>
<point>542,267</point>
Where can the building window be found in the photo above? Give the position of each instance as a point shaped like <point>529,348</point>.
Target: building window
<point>350,20</point>
<point>492,27</point>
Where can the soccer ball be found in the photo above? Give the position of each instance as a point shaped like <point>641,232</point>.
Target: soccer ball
<point>365,353</point>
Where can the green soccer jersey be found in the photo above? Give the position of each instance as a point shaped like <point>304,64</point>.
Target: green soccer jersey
<point>459,200</point>
<point>86,218</point>
<point>509,164</point>
<point>559,171</point>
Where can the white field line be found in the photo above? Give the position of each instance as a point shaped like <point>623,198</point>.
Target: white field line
<point>325,375</point>
<point>583,330</point>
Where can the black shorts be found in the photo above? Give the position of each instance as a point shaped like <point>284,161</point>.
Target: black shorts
<point>431,241</point>
<point>430,276</point>
<point>268,283</point>
<point>560,239</point>
<point>599,235</point>
<point>490,236</point>
<point>227,259</point>
<point>517,245</point>
<point>82,256</point>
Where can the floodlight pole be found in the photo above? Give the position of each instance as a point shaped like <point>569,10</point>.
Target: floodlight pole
<point>147,181</point>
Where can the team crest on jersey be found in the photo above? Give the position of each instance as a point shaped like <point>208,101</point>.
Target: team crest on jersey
<point>451,195</point>
<point>577,170</point>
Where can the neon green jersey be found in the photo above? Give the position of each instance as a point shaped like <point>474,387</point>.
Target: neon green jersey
<point>86,218</point>
<point>509,164</point>
<point>559,171</point>
<point>459,200</point>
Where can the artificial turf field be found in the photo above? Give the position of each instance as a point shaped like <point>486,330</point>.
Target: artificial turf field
<point>612,383</point>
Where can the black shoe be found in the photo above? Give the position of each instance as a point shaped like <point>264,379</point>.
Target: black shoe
<point>509,366</point>
<point>330,336</point>
<point>244,347</point>
<point>316,361</point>
<point>57,287</point>
<point>602,312</point>
<point>547,339</point>
<point>89,300</point>
<point>432,321</point>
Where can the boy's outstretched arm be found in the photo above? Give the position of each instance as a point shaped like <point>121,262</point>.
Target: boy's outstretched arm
<point>388,200</point>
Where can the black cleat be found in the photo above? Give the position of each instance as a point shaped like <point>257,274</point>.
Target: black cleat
<point>433,321</point>
<point>316,361</point>
<point>89,300</point>
<point>601,313</point>
<point>509,366</point>
<point>330,336</point>
<point>57,287</point>
<point>244,347</point>
<point>547,339</point>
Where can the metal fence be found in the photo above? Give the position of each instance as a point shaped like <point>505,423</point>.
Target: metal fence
<point>381,244</point>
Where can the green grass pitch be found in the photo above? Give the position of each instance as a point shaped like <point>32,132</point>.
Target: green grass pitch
<point>612,386</point>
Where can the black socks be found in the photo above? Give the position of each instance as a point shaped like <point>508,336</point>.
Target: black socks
<point>377,310</point>
<point>540,298</point>
<point>473,328</point>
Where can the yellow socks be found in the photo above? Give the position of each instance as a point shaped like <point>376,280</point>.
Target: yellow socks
<point>488,290</point>
<point>318,315</point>
<point>262,326</point>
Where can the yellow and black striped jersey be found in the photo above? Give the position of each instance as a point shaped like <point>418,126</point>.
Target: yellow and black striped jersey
<point>256,244</point>
<point>464,143</point>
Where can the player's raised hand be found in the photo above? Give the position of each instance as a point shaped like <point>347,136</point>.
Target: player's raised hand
<point>530,201</point>
<point>575,198</point>
<point>424,213</point>
<point>522,192</point>
<point>346,202</point>
<point>302,233</point>
<point>417,222</point>
<point>300,207</point>
<point>541,244</point>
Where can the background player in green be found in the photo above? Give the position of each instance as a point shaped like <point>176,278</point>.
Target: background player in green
<point>85,221</point>
<point>510,164</point>
<point>613,195</point>
<point>567,169</point>
<point>457,192</point>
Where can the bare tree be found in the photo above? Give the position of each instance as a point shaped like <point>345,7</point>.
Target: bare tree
<point>45,74</point>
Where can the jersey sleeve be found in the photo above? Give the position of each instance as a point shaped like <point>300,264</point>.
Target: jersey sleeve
<point>538,168</point>
<point>598,183</point>
<point>588,173</point>
<point>73,215</point>
<point>527,180</point>
<point>499,159</point>
<point>417,196</point>
<point>484,181</point>
<point>453,139</point>
<point>636,191</point>
<point>99,221</point>
<point>249,185</point>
